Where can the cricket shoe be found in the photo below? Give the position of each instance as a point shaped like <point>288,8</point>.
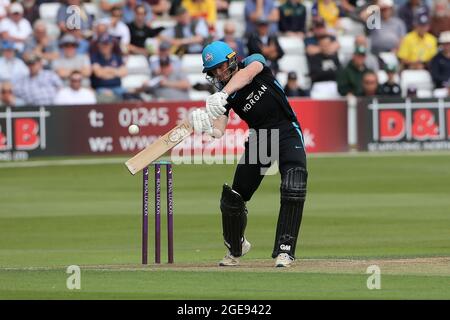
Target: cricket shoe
<point>229,260</point>
<point>283,260</point>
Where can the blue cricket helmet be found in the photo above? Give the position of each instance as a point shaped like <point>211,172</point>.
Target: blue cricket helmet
<point>216,53</point>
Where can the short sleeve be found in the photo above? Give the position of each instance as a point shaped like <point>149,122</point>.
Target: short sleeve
<point>254,57</point>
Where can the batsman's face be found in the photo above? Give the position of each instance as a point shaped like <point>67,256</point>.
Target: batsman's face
<point>222,73</point>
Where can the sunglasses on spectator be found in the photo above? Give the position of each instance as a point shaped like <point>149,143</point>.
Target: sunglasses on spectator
<point>4,91</point>
<point>75,79</point>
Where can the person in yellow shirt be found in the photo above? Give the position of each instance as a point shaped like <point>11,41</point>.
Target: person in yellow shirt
<point>205,9</point>
<point>419,46</point>
<point>329,11</point>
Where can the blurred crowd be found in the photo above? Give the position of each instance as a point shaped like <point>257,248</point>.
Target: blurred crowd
<point>86,51</point>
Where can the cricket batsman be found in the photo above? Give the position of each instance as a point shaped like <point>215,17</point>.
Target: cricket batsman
<point>250,89</point>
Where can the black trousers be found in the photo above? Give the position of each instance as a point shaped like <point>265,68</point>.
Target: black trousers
<point>291,154</point>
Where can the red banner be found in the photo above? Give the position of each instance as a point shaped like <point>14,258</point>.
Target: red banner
<point>103,129</point>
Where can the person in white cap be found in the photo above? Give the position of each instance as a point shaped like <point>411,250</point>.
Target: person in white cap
<point>16,28</point>
<point>440,64</point>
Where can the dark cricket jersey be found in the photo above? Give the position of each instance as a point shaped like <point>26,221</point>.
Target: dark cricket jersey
<point>390,89</point>
<point>262,103</point>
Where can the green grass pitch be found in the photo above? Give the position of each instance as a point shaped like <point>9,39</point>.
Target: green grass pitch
<point>391,211</point>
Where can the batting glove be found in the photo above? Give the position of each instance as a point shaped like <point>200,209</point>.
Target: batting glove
<point>201,122</point>
<point>215,104</point>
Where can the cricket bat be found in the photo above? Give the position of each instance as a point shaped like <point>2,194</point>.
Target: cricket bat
<point>159,147</point>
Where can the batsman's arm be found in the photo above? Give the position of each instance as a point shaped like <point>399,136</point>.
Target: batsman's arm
<point>243,77</point>
<point>219,126</point>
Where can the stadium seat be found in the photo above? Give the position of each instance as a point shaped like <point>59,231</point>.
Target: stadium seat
<point>424,93</point>
<point>92,8</point>
<point>383,77</point>
<point>418,79</point>
<point>303,81</point>
<point>351,27</point>
<point>347,46</point>
<point>292,45</point>
<point>325,90</point>
<point>165,23</point>
<point>291,62</point>
<point>389,58</point>
<point>137,64</point>
<point>196,78</point>
<point>192,63</point>
<point>195,95</point>
<point>236,10</point>
<point>134,81</point>
<point>347,43</point>
<point>52,30</point>
<point>48,11</point>
<point>440,93</point>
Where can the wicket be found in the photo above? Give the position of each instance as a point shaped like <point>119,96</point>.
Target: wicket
<point>145,205</point>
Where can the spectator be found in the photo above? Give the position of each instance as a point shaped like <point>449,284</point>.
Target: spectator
<point>411,9</point>
<point>160,7</point>
<point>129,12</point>
<point>205,9</point>
<point>324,65</point>
<point>440,64</point>
<point>101,30</point>
<point>4,4</point>
<point>323,69</point>
<point>292,18</point>
<point>30,10</point>
<point>118,29</point>
<point>108,69</point>
<point>83,44</point>
<point>229,30</point>
<point>222,8</point>
<point>329,11</point>
<point>7,97</point>
<point>11,67</point>
<point>292,89</point>
<point>319,29</point>
<point>40,44</point>
<point>392,30</point>
<point>266,44</point>
<point>371,59</point>
<point>261,9</point>
<point>140,32</point>
<point>65,21</point>
<point>355,9</point>
<point>170,82</point>
<point>106,6</point>
<point>350,78</point>
<point>370,87</point>
<point>188,36</point>
<point>164,54</point>
<point>3,13</point>
<point>75,94</point>
<point>70,60</point>
<point>390,87</point>
<point>440,17</point>
<point>40,86</point>
<point>15,28</point>
<point>418,47</point>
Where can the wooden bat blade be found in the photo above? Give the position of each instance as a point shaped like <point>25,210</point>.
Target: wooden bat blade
<point>159,147</point>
